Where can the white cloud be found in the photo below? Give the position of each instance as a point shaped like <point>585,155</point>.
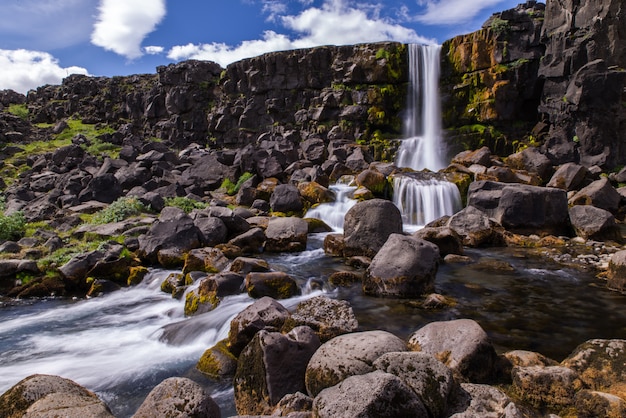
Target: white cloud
<point>122,25</point>
<point>451,12</point>
<point>22,70</point>
<point>273,8</point>
<point>224,54</point>
<point>153,50</point>
<point>335,23</point>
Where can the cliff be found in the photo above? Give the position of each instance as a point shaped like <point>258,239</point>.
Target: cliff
<point>352,92</point>
<point>550,76</point>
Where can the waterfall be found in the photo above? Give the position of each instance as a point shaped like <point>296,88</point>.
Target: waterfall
<point>333,213</point>
<point>422,199</point>
<point>422,124</point>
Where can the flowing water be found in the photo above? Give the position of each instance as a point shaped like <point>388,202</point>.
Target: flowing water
<point>123,344</point>
<point>422,147</point>
<point>333,213</point>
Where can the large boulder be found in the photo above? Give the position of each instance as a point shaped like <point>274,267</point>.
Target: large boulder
<point>590,222</point>
<point>372,395</point>
<point>404,267</point>
<point>275,284</point>
<point>460,344</point>
<point>206,260</point>
<point>348,355</point>
<point>264,314</point>
<point>173,230</point>
<point>600,365</point>
<point>327,317</point>
<point>44,395</point>
<point>271,366</point>
<point>213,230</point>
<point>522,208</point>
<point>600,194</point>
<point>178,397</point>
<point>475,228</point>
<point>367,226</point>
<point>286,198</point>
<point>532,160</point>
<point>103,188</point>
<point>569,176</point>
<point>286,235</point>
<point>448,241</point>
<point>547,388</point>
<point>428,377</point>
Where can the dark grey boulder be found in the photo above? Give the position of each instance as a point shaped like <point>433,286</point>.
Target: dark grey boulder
<point>372,395</point>
<point>569,176</point>
<point>404,267</point>
<point>594,223</point>
<point>178,397</point>
<point>445,238</point>
<point>476,228</point>
<point>271,366</point>
<point>213,231</point>
<point>286,198</point>
<point>367,226</point>
<point>173,230</point>
<point>275,284</point>
<point>600,194</point>
<point>250,242</point>
<point>532,160</point>
<point>265,314</point>
<point>103,188</point>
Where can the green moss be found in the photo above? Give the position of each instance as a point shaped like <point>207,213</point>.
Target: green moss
<point>185,203</point>
<point>193,301</point>
<point>12,227</point>
<point>19,110</point>
<point>123,208</point>
<point>500,26</point>
<point>137,274</point>
<point>217,361</point>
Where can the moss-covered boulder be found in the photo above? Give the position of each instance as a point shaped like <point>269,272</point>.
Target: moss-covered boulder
<point>218,362</point>
<point>275,284</point>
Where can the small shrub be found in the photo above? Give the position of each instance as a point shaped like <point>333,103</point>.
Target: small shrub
<point>500,26</point>
<point>185,203</point>
<point>12,227</point>
<point>233,188</point>
<point>121,209</point>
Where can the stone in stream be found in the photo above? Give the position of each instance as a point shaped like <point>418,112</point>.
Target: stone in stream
<point>271,366</point>
<point>404,267</point>
<point>265,313</point>
<point>368,225</point>
<point>44,395</point>
<point>484,401</point>
<point>286,235</point>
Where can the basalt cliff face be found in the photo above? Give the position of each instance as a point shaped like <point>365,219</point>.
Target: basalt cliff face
<point>348,92</point>
<point>546,75</point>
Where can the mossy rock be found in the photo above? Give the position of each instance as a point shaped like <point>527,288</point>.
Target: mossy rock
<point>200,303</point>
<point>171,282</point>
<point>218,362</point>
<point>317,225</point>
<point>137,274</point>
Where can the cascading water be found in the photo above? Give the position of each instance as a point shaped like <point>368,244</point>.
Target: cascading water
<point>333,213</point>
<point>423,200</point>
<point>422,147</point>
<point>419,200</point>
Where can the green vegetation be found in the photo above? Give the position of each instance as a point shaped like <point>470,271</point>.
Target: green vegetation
<point>500,26</point>
<point>185,203</point>
<point>92,133</point>
<point>121,209</point>
<point>12,227</point>
<point>233,188</point>
<point>19,110</point>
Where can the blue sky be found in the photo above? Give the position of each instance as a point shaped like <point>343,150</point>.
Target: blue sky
<point>43,41</point>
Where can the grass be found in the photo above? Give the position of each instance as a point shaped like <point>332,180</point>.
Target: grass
<point>233,188</point>
<point>122,208</point>
<point>185,203</point>
<point>19,110</point>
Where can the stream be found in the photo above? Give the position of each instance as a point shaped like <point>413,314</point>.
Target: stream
<point>122,344</point>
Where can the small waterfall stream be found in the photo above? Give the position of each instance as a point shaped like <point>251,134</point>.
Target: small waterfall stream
<point>333,213</point>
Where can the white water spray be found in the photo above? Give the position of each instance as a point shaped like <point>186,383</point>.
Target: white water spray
<point>333,213</point>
